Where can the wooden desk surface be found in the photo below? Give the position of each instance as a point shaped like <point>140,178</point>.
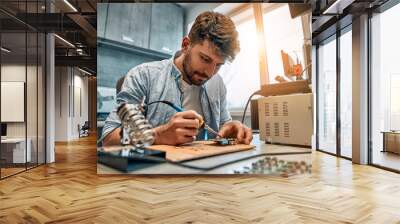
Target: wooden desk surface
<point>260,147</point>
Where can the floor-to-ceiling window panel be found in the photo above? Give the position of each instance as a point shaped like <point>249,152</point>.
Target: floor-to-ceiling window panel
<point>22,100</point>
<point>385,87</point>
<point>31,98</point>
<point>13,86</point>
<point>327,95</point>
<point>346,92</point>
<point>41,150</point>
<point>35,62</point>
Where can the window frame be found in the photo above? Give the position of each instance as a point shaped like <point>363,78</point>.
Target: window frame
<point>333,37</point>
<point>379,10</point>
<point>234,14</point>
<point>27,29</point>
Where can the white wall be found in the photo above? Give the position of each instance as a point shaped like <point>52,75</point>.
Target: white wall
<point>79,117</point>
<point>70,83</point>
<point>16,72</point>
<point>61,103</point>
<point>33,126</point>
<point>10,73</point>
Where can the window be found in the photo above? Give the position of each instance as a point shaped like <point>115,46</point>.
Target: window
<point>22,65</point>
<point>346,93</point>
<point>327,96</point>
<point>242,76</point>
<point>385,87</point>
<point>282,33</point>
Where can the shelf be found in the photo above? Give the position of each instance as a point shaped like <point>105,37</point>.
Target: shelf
<point>132,49</point>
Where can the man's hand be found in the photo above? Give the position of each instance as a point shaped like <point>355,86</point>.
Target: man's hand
<point>235,129</point>
<point>181,128</point>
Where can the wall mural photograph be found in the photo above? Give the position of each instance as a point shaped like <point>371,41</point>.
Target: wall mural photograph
<point>173,85</point>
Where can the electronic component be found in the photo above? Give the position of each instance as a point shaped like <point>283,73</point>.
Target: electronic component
<point>136,129</point>
<point>136,133</point>
<point>273,166</point>
<point>225,141</point>
<point>286,119</point>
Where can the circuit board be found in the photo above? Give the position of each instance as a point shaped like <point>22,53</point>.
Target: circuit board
<point>225,141</point>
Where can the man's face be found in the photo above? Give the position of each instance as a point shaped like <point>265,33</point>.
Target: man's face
<point>201,62</point>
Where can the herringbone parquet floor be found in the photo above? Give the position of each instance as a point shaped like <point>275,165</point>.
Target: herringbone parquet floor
<point>70,191</point>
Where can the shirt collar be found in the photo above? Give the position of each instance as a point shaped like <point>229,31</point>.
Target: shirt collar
<point>174,70</point>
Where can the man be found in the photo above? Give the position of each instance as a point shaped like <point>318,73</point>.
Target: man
<point>188,80</point>
<point>119,84</point>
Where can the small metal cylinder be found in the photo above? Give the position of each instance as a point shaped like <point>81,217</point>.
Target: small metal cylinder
<point>136,125</point>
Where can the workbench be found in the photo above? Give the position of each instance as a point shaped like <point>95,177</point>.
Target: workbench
<point>260,147</point>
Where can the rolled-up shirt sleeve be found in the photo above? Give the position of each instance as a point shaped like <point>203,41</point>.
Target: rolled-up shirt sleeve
<point>112,122</point>
<point>132,92</point>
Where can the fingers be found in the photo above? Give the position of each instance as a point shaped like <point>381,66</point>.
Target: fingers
<point>185,135</point>
<point>224,132</point>
<point>188,119</point>
<point>186,126</point>
<point>168,135</point>
<point>186,123</point>
<point>248,136</point>
<point>189,114</point>
<point>230,129</point>
<point>186,132</point>
<point>244,135</point>
<point>240,133</point>
<point>185,139</point>
<point>237,130</point>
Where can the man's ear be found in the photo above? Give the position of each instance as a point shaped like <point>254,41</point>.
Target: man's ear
<point>185,44</point>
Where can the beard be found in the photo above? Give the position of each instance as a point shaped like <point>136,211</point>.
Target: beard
<point>189,73</point>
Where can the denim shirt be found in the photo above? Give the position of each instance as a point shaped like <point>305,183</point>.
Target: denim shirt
<point>161,80</point>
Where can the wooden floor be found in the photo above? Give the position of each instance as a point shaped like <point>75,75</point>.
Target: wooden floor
<point>10,171</point>
<point>386,159</point>
<point>70,191</point>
